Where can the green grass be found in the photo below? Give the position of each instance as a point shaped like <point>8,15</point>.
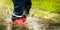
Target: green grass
<point>47,5</point>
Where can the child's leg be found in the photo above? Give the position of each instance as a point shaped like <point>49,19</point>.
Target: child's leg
<point>27,6</point>
<point>18,8</point>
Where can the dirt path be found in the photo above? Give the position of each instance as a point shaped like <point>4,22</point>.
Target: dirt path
<point>38,23</point>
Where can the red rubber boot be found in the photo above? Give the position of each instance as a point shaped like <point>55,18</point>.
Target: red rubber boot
<point>20,20</point>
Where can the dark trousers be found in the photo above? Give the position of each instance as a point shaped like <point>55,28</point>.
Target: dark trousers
<point>19,7</point>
